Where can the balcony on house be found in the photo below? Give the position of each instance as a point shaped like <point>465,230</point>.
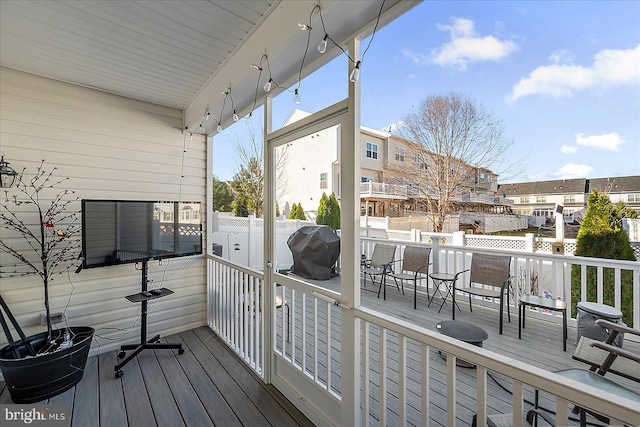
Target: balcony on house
<point>381,190</point>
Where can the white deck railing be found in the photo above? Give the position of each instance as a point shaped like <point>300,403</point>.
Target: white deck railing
<point>306,337</point>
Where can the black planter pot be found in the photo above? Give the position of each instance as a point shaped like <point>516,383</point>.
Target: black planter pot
<point>32,379</point>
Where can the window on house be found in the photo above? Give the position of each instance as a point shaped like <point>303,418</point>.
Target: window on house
<point>541,199</point>
<point>186,215</point>
<point>167,216</point>
<point>323,180</point>
<point>365,179</point>
<point>634,197</point>
<point>570,199</point>
<point>372,150</point>
<point>524,199</point>
<point>399,154</point>
<point>195,215</point>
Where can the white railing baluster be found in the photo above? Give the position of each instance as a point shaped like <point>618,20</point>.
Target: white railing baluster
<point>328,326</point>
<point>292,330</point>
<point>517,403</point>
<point>304,332</point>
<point>402,380</point>
<point>424,404</point>
<point>315,341</point>
<point>600,287</point>
<point>451,389</point>
<point>481,395</point>
<point>383,375</point>
<point>562,411</point>
<point>365,354</point>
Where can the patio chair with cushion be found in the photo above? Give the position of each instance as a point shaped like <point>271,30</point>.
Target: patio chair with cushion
<point>379,264</point>
<point>607,358</point>
<point>415,267</point>
<point>602,356</point>
<point>489,277</point>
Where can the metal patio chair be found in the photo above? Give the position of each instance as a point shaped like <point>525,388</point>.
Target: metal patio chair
<point>489,277</point>
<point>415,267</point>
<point>379,264</point>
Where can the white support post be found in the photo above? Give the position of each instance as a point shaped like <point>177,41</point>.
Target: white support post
<point>350,243</point>
<point>269,248</point>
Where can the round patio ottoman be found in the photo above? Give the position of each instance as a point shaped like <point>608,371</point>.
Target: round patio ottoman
<point>588,313</point>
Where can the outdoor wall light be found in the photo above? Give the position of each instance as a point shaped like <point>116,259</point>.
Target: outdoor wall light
<point>7,174</point>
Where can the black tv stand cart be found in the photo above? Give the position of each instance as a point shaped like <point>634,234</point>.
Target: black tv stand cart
<point>145,344</point>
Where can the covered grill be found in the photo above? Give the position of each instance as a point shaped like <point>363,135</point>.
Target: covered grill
<point>315,250</point>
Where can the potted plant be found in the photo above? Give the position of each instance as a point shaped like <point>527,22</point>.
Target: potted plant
<point>40,233</point>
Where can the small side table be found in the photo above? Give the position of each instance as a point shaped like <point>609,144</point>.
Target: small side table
<point>467,332</point>
<point>542,302</point>
<point>447,280</point>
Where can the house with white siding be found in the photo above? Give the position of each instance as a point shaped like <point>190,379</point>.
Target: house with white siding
<point>381,193</point>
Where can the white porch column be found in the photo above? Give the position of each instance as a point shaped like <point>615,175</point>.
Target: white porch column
<point>350,243</point>
<point>269,247</point>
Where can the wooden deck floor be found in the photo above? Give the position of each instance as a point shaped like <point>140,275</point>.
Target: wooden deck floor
<point>205,386</point>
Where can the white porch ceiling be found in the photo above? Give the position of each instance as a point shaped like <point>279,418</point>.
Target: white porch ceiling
<point>180,54</point>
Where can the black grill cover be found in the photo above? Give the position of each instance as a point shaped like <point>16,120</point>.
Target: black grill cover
<point>315,250</point>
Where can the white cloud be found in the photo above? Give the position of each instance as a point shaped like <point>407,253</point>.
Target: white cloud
<point>610,68</point>
<point>464,47</point>
<point>571,170</point>
<point>568,149</point>
<point>610,141</point>
<point>561,56</point>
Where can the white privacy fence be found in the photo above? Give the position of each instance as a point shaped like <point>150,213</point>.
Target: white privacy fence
<point>401,380</point>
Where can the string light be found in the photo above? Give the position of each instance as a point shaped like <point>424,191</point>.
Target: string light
<point>267,85</point>
<point>355,73</point>
<point>322,47</point>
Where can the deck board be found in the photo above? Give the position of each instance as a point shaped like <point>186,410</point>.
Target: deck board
<point>162,388</point>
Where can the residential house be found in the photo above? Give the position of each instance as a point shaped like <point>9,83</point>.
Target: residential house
<point>540,198</point>
<point>383,192</point>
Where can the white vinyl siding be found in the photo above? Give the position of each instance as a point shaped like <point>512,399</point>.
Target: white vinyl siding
<point>110,147</point>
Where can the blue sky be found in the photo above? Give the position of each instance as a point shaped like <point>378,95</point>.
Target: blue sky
<point>563,76</point>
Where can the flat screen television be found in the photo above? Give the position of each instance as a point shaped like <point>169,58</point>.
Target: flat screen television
<point>129,231</point>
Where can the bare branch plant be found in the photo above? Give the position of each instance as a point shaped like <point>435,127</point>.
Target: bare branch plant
<point>41,229</point>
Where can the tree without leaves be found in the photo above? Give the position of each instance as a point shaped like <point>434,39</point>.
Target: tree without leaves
<point>48,226</point>
<point>247,186</point>
<point>453,139</point>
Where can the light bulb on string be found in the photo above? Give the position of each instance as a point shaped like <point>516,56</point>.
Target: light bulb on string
<point>219,128</point>
<point>296,97</point>
<point>322,47</point>
<point>235,116</point>
<point>267,85</point>
<point>304,27</point>
<point>355,73</point>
